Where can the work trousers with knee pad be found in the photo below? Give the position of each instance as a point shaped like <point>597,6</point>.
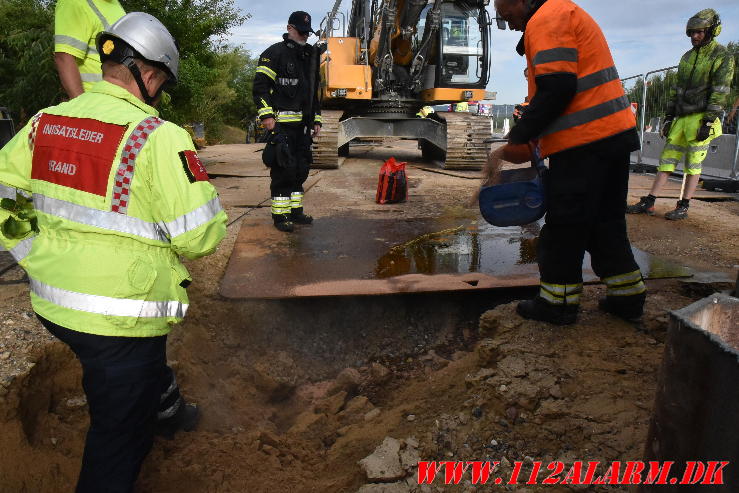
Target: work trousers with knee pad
<point>130,390</point>
<point>586,197</point>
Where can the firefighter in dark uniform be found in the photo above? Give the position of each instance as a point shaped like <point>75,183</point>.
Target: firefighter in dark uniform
<point>287,103</point>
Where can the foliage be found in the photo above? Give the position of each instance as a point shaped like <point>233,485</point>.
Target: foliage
<point>28,80</point>
<point>210,71</point>
<point>733,48</point>
<point>197,25</point>
<point>215,79</point>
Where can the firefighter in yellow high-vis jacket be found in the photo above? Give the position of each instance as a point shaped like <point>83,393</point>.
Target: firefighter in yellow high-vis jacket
<point>101,198</point>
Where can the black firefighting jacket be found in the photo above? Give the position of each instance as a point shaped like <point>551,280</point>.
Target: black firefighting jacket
<point>283,80</point>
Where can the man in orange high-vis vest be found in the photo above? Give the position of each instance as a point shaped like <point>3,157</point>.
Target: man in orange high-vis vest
<point>582,120</point>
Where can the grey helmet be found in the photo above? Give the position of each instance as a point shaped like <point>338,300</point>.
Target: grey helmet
<point>144,34</point>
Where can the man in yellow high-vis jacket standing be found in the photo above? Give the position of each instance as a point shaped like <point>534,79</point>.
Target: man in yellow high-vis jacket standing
<point>107,197</point>
<point>76,24</point>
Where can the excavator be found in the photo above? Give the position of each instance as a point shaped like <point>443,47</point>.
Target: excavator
<point>393,58</point>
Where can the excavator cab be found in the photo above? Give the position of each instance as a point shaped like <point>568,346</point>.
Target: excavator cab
<point>393,58</point>
<point>462,47</point>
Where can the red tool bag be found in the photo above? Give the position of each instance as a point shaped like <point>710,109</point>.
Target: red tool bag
<point>393,184</point>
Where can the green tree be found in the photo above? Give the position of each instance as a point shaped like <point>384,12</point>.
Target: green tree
<point>28,79</point>
<point>199,26</point>
<point>214,78</point>
<point>209,69</point>
<point>242,68</point>
<point>733,48</point>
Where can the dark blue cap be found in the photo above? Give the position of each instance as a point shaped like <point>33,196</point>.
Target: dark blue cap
<point>301,21</point>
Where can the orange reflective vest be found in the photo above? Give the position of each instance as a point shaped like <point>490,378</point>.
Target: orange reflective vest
<point>561,38</point>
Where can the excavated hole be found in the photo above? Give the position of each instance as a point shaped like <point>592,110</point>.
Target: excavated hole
<point>252,365</point>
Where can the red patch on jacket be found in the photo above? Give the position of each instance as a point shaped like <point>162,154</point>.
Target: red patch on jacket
<point>75,152</point>
<point>194,168</point>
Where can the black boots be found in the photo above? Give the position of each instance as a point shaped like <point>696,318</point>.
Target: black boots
<point>680,212</point>
<point>288,211</point>
<point>281,214</point>
<point>629,308</point>
<point>282,223</point>
<point>296,209</point>
<point>185,419</point>
<point>539,309</point>
<point>644,206</point>
<point>299,217</point>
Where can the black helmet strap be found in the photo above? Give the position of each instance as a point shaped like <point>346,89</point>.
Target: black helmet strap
<point>130,63</point>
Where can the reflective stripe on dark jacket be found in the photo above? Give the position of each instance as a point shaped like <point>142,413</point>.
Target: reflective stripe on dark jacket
<point>282,83</point>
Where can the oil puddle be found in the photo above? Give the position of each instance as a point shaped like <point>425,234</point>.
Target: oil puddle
<point>488,249</point>
<point>465,248</point>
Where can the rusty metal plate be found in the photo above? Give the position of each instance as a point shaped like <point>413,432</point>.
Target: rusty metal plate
<point>353,255</point>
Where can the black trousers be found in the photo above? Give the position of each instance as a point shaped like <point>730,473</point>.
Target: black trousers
<point>123,379</point>
<point>586,197</point>
<point>286,180</point>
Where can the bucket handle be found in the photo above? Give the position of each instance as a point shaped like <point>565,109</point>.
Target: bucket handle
<point>536,161</point>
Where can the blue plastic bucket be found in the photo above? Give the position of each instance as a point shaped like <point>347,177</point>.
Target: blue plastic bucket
<point>518,199</point>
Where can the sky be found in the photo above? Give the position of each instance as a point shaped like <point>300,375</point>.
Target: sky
<point>644,35</point>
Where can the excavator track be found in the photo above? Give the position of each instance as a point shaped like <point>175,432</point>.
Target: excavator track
<point>325,147</point>
<point>465,137</point>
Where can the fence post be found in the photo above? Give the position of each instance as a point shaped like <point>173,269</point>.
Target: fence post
<point>734,167</point>
<point>643,117</point>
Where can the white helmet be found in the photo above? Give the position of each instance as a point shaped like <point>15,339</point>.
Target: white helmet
<point>146,36</point>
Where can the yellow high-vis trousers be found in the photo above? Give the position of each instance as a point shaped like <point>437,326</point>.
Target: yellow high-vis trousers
<point>681,141</point>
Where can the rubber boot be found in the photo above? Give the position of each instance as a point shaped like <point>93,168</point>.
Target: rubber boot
<point>539,309</point>
<point>186,418</point>
<point>644,206</point>
<point>283,223</point>
<point>628,308</point>
<point>680,212</point>
<point>299,217</point>
<point>281,214</point>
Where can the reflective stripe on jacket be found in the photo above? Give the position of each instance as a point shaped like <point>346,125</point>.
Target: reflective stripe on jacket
<point>561,38</point>
<point>118,194</point>
<point>76,25</point>
<point>704,79</point>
